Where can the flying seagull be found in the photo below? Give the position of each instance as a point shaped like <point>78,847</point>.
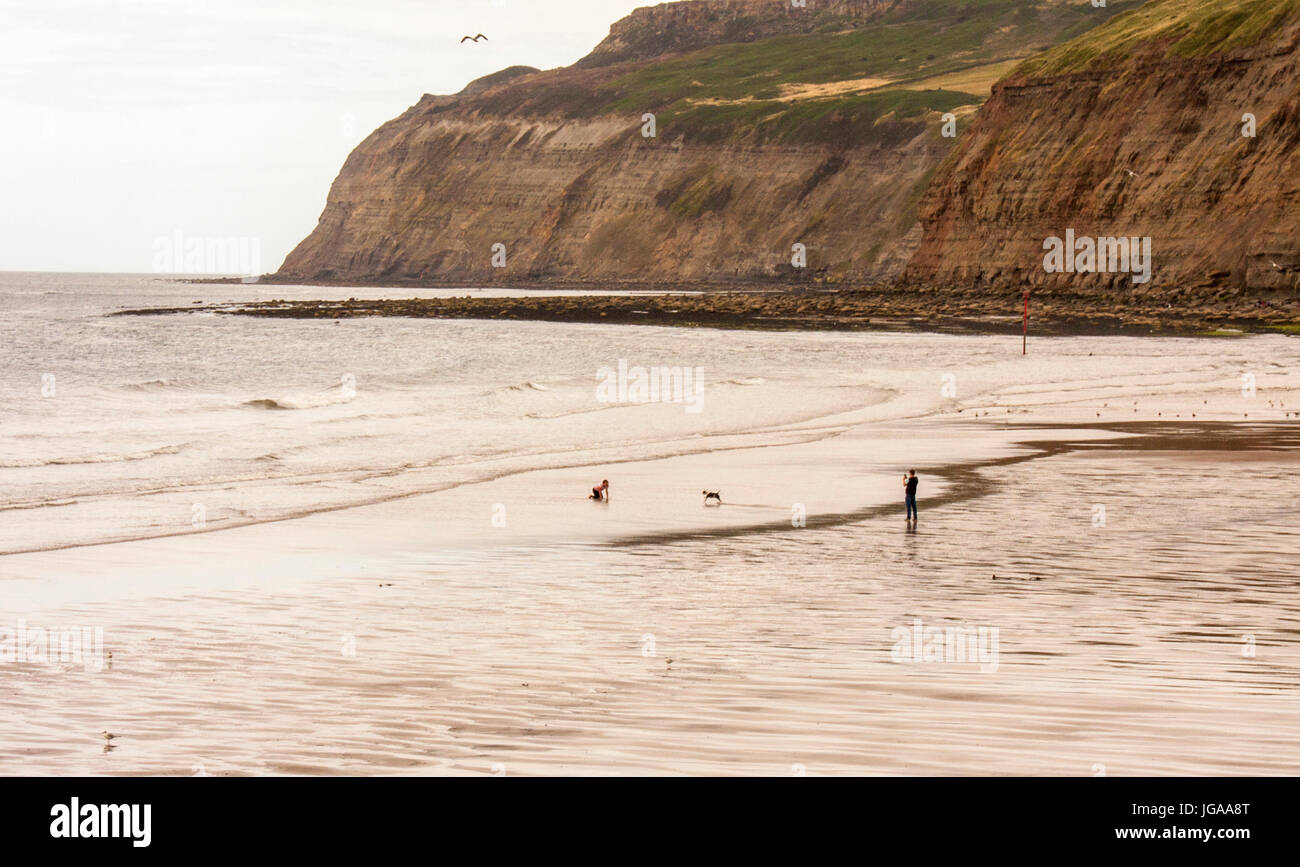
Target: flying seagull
<point>464,39</point>
<point>1131,172</point>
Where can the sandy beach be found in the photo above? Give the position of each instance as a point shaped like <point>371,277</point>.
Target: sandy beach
<point>291,649</point>
<point>1123,571</point>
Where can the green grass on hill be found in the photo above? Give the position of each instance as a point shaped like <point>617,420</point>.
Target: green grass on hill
<point>932,38</point>
<point>936,37</point>
<point>1190,28</point>
<point>843,120</point>
<point>731,92</point>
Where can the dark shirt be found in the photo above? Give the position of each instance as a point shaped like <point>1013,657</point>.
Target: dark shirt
<point>911,486</point>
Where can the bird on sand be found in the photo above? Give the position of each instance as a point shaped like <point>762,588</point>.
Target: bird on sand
<point>465,39</point>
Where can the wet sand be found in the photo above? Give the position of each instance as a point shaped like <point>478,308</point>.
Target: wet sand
<point>414,637</point>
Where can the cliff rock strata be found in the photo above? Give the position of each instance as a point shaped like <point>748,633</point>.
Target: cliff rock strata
<point>822,132</point>
<point>1147,144</point>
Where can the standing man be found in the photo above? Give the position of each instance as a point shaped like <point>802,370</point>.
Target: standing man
<point>910,481</point>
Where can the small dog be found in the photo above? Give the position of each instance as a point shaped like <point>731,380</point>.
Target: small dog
<point>712,495</point>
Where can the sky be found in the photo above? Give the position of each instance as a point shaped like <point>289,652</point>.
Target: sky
<point>130,124</point>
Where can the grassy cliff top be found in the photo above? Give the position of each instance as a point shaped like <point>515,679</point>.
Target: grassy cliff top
<point>835,84</point>
<point>1184,28</point>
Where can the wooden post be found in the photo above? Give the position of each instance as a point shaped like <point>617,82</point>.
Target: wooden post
<point>1024,337</point>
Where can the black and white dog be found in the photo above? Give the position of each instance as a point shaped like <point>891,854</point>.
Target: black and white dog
<point>712,498</point>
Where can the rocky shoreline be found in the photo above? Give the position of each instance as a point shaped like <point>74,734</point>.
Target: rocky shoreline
<point>1218,312</point>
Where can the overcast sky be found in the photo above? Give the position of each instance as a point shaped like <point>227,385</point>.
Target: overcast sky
<point>122,121</point>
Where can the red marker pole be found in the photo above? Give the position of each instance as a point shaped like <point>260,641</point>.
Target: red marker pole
<point>1024,337</point>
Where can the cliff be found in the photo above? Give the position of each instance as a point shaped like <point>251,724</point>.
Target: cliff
<point>774,126</point>
<point>652,31</point>
<point>1135,129</point>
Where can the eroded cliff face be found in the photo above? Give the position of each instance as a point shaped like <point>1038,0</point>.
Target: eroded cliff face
<point>1148,144</point>
<point>428,198</point>
<point>575,192</point>
<point>825,139</point>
